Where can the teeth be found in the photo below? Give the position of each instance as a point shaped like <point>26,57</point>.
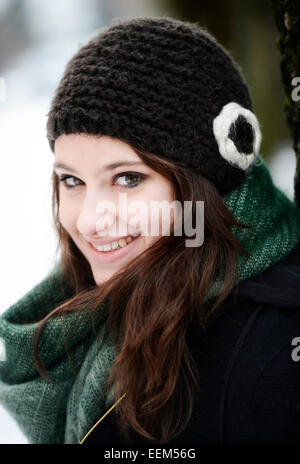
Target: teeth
<point>116,244</point>
<point>122,242</point>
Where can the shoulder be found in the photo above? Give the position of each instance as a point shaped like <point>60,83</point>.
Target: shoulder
<point>263,375</point>
<point>268,352</point>
<point>274,296</point>
<point>279,285</point>
<point>269,299</point>
<point>268,349</point>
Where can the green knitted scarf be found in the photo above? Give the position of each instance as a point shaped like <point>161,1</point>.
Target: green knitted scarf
<point>63,411</point>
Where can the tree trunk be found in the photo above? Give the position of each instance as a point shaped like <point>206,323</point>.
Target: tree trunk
<point>287,19</point>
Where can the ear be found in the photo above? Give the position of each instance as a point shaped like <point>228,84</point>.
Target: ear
<point>236,130</point>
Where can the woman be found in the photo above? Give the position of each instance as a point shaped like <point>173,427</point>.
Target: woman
<point>156,338</point>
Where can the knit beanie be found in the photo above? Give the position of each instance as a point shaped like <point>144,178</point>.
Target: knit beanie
<point>167,87</point>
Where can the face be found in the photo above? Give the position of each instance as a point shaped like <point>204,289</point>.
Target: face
<point>100,181</point>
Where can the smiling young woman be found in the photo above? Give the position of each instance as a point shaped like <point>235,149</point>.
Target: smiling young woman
<point>136,337</point>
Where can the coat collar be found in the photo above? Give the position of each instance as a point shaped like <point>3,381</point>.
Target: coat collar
<point>279,284</point>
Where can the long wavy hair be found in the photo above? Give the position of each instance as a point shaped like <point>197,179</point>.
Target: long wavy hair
<point>152,301</point>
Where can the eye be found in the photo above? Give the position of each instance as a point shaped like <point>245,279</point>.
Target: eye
<point>129,179</point>
<point>66,177</point>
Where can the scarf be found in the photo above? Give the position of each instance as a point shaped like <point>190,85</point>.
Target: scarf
<point>63,410</point>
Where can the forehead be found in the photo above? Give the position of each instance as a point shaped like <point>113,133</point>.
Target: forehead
<point>79,150</point>
<point>82,143</point>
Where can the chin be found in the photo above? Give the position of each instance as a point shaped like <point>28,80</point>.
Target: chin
<point>103,277</point>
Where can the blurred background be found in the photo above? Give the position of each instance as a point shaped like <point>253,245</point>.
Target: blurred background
<point>37,38</point>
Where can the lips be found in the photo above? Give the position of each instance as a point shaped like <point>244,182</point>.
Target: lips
<point>105,257</point>
<point>106,241</point>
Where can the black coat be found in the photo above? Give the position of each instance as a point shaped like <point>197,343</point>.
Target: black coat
<point>249,366</point>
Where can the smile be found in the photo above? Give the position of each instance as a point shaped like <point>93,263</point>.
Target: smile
<point>113,251</point>
<point>115,245</point>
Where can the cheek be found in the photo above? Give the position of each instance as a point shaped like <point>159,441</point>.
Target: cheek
<point>162,192</point>
<point>67,214</point>
<point>159,190</point>
<point>151,216</point>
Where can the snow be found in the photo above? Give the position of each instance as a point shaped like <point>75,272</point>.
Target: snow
<point>27,242</point>
<point>283,167</point>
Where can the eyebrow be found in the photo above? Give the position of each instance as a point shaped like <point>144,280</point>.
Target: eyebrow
<point>108,167</point>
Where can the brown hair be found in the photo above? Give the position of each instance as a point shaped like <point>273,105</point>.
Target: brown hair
<point>152,301</point>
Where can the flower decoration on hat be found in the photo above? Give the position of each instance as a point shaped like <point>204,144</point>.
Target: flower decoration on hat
<point>238,135</point>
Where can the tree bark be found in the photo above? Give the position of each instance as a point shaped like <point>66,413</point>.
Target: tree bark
<point>287,18</point>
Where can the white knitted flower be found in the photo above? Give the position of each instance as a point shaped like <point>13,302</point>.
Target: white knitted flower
<point>238,135</point>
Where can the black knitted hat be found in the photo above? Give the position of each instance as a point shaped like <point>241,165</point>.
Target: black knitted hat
<point>165,86</point>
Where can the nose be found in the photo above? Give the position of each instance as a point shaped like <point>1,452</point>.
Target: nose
<point>97,215</point>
